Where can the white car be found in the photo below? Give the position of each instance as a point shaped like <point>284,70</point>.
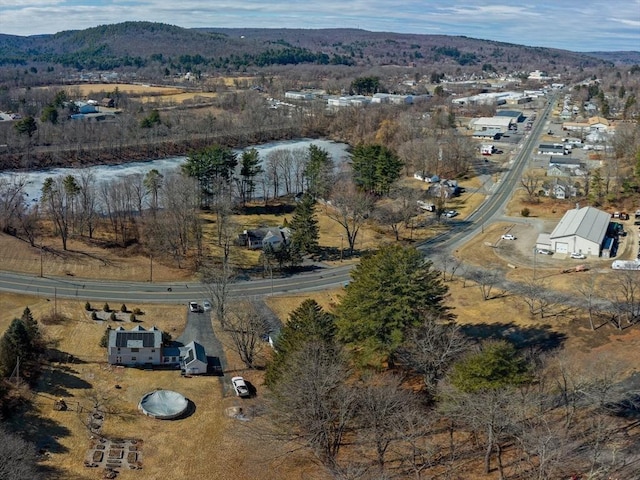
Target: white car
<point>193,307</point>
<point>450,214</point>
<point>240,386</point>
<point>579,256</point>
<point>544,251</point>
<point>508,236</point>
<point>206,305</point>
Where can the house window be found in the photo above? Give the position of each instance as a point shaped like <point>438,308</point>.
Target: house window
<point>135,350</point>
<point>150,358</point>
<point>153,350</point>
<point>118,349</point>
<point>133,359</point>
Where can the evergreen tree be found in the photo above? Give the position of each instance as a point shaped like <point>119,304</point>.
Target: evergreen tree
<point>375,168</point>
<point>390,292</point>
<point>16,342</point>
<point>26,126</point>
<point>250,168</point>
<point>304,226</point>
<point>498,365</point>
<point>318,172</point>
<point>307,323</point>
<point>213,168</point>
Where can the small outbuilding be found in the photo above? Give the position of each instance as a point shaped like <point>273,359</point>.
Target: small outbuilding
<point>193,359</point>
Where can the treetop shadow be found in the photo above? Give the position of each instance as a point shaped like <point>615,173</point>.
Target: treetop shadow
<point>541,336</point>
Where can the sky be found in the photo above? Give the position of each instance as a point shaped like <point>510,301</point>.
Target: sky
<point>577,25</point>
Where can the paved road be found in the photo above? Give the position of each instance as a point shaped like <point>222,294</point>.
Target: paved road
<point>320,279</point>
<point>169,292</point>
<point>493,207</point>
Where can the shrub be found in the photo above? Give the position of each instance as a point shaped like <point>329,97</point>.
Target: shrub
<point>113,317</point>
<point>123,308</point>
<point>106,307</point>
<point>525,212</point>
<point>137,311</point>
<point>104,341</point>
<point>87,307</point>
<point>53,318</point>
<point>132,317</point>
<point>94,316</point>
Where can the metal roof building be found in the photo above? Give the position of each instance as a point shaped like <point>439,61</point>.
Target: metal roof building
<point>580,230</point>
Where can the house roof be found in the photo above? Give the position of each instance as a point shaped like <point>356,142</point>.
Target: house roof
<point>193,351</point>
<point>509,113</point>
<point>492,121</point>
<point>586,222</point>
<point>595,120</point>
<point>137,337</point>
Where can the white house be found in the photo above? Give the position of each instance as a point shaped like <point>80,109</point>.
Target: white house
<point>580,230</point>
<point>193,359</point>
<point>135,347</point>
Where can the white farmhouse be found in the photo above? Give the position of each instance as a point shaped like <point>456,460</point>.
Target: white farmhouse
<point>135,347</point>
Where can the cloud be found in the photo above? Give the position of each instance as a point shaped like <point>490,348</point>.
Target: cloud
<point>580,25</point>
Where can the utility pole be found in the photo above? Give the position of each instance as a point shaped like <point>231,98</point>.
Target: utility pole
<point>150,268</point>
<point>41,268</point>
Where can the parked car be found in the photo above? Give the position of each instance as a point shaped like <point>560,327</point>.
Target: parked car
<point>578,255</point>
<point>508,236</point>
<point>450,213</point>
<point>240,386</point>
<point>194,307</point>
<point>206,305</point>
<point>544,251</point>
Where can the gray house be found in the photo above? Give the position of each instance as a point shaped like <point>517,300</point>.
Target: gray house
<point>135,347</point>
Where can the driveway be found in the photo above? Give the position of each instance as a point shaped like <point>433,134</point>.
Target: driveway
<point>199,328</point>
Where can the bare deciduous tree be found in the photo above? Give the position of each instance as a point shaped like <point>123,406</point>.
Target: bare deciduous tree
<point>350,208</point>
<point>217,280</point>
<point>313,405</point>
<point>531,184</point>
<point>246,325</point>
<point>431,347</point>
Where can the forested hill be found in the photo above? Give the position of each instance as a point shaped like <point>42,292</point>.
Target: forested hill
<point>146,44</point>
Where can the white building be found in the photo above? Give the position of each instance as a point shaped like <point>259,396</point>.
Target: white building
<point>135,347</point>
<point>580,230</point>
<point>503,124</point>
<point>193,359</point>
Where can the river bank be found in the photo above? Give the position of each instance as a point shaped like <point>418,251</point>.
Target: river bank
<point>45,156</point>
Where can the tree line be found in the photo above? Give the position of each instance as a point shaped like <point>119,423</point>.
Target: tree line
<point>342,384</point>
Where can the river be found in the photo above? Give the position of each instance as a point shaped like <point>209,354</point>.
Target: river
<point>35,179</point>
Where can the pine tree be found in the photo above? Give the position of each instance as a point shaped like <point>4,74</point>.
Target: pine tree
<point>318,172</point>
<point>304,226</point>
<point>390,292</point>
<point>307,323</point>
